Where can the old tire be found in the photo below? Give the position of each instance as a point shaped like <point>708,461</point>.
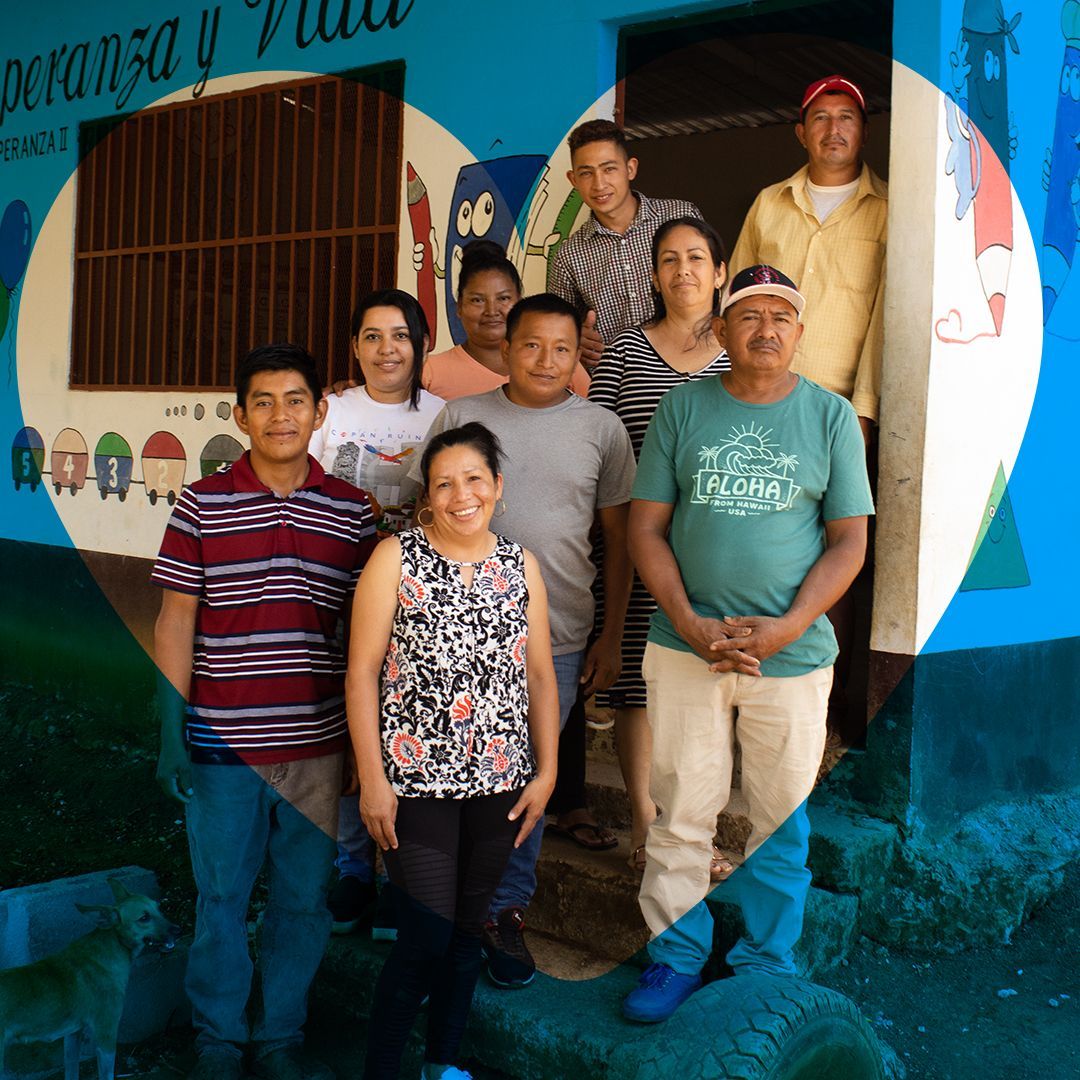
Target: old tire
<point>763,1027</point>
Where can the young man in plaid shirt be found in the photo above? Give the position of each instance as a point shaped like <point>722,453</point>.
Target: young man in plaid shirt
<point>605,268</point>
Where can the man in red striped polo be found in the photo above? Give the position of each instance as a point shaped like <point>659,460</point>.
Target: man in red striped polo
<point>258,563</point>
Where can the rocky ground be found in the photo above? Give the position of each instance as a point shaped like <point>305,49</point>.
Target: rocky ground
<point>74,802</point>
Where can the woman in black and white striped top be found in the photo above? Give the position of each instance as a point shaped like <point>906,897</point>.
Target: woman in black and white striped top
<point>637,369</point>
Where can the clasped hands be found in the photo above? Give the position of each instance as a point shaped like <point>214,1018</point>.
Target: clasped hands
<point>738,643</point>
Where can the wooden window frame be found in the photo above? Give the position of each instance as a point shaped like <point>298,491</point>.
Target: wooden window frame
<point>179,270</point>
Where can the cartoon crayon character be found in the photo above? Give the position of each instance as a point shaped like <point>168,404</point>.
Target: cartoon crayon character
<point>983,142</point>
<point>423,249</point>
<point>1061,180</point>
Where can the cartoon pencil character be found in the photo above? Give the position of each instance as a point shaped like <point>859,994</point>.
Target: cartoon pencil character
<point>983,142</point>
<point>423,249</point>
<point>1061,181</point>
<point>490,201</point>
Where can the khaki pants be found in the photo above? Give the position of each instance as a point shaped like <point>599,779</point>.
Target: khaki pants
<point>695,717</point>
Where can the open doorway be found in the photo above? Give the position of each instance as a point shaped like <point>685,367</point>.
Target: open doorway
<point>710,105</point>
<point>711,102</point>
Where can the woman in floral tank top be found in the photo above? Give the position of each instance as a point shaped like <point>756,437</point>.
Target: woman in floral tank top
<point>453,715</point>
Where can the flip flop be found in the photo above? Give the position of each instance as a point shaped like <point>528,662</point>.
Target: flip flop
<point>636,862</point>
<point>720,866</point>
<point>604,839</point>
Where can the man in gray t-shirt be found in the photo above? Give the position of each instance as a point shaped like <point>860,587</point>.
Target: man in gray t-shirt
<point>566,462</point>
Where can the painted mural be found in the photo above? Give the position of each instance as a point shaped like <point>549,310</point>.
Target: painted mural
<point>999,309</point>
<point>983,141</point>
<point>1061,182</point>
<point>462,178</point>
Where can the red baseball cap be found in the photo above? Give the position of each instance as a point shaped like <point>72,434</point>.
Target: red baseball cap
<point>836,84</point>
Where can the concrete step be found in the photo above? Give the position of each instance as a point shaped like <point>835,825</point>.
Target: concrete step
<point>850,852</point>
<point>606,796</point>
<point>552,1028</point>
<point>568,1021</point>
<point>587,935</point>
<point>588,901</point>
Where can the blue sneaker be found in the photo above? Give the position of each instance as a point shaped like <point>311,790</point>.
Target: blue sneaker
<point>661,990</point>
<point>449,1072</point>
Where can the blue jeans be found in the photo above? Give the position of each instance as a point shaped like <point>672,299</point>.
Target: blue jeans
<point>519,879</point>
<point>771,889</point>
<point>355,848</point>
<point>237,818</point>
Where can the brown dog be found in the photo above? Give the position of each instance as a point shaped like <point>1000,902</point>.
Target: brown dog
<point>81,988</point>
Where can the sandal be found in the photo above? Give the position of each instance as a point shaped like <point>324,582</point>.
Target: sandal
<point>636,862</point>
<point>720,866</point>
<point>602,839</point>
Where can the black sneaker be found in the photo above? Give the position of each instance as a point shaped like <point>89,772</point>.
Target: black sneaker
<point>509,962</point>
<point>350,900</point>
<point>384,925</point>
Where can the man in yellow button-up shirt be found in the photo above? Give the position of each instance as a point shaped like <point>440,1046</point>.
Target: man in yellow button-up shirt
<point>825,227</point>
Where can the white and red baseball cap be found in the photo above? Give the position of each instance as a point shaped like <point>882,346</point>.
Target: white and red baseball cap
<point>836,84</point>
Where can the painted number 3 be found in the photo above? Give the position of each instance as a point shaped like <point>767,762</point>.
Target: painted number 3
<point>113,479</point>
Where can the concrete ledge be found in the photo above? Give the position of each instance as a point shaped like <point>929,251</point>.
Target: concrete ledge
<point>850,853</point>
<point>588,898</point>
<point>551,1028</point>
<point>37,920</point>
<point>977,883</point>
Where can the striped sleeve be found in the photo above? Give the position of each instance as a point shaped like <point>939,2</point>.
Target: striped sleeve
<point>607,378</point>
<point>179,564</point>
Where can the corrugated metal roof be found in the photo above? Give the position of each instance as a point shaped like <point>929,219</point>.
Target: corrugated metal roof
<point>750,72</point>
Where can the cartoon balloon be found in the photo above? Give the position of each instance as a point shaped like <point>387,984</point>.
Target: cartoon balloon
<point>5,307</point>
<point>14,242</point>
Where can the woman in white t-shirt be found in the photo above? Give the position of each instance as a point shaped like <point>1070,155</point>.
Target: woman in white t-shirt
<point>370,437</point>
<point>372,431</point>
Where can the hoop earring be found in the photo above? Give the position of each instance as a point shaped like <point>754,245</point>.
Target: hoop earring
<point>497,512</point>
<point>425,524</point>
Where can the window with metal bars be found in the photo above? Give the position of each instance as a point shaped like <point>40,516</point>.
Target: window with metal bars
<point>206,228</point>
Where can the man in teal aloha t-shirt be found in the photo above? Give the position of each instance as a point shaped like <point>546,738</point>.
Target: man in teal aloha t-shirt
<point>748,522</point>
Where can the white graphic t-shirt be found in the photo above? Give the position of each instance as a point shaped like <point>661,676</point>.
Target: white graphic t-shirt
<point>373,446</point>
